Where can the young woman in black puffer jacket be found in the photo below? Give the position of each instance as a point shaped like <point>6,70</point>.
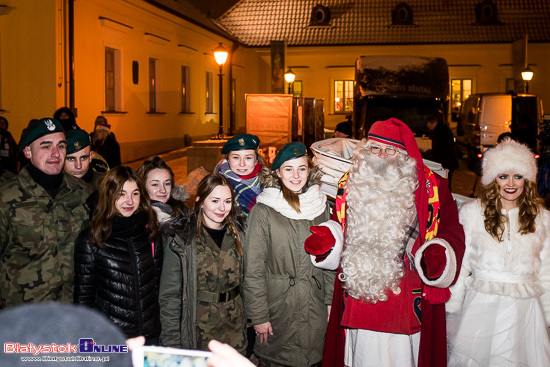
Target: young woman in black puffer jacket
<point>118,258</point>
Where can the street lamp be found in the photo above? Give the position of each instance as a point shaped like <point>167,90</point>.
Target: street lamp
<point>220,54</point>
<point>527,75</point>
<point>289,77</point>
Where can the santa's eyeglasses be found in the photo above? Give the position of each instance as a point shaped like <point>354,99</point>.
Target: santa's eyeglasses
<point>374,149</point>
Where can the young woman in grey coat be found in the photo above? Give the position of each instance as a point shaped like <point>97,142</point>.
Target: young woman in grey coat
<point>286,297</point>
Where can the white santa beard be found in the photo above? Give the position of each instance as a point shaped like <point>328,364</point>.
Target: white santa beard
<point>379,208</point>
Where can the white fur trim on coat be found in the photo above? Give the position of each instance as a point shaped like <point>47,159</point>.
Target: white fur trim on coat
<point>508,156</point>
<point>448,274</point>
<point>332,261</point>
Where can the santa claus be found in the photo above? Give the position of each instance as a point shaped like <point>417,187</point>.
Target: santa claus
<point>395,238</point>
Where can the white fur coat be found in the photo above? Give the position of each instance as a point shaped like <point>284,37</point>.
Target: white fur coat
<point>524,255</point>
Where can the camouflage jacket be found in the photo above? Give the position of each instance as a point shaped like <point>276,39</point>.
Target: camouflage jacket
<point>37,235</point>
<point>5,176</point>
<point>192,270</point>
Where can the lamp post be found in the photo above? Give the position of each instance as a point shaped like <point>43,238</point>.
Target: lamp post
<point>527,75</point>
<point>289,77</point>
<point>220,54</point>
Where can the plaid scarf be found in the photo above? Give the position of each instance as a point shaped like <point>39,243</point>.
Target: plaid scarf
<point>246,187</point>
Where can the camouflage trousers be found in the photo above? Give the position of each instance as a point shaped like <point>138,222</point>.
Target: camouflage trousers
<point>223,321</point>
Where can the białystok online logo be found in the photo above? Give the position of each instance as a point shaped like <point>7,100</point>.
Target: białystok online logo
<point>85,345</point>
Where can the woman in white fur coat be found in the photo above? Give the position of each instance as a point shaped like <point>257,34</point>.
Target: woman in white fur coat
<point>499,311</point>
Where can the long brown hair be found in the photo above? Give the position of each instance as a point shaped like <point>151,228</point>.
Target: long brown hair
<point>291,197</point>
<point>529,203</point>
<point>157,162</point>
<point>206,186</point>
<point>109,189</point>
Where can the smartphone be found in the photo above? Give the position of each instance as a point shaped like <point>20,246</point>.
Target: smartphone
<point>153,356</point>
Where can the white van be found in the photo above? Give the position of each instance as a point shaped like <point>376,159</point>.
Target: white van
<point>484,117</point>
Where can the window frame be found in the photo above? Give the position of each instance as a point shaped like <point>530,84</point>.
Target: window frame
<point>185,89</point>
<point>347,95</point>
<point>113,79</point>
<point>209,92</point>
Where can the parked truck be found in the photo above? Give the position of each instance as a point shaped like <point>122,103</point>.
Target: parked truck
<point>484,117</point>
<point>410,88</point>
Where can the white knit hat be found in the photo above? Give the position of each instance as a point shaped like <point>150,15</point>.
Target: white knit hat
<point>508,156</point>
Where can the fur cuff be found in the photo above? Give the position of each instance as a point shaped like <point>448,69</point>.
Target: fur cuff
<point>448,274</point>
<point>332,261</point>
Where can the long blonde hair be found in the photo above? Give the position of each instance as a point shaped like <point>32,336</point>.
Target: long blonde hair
<point>529,203</point>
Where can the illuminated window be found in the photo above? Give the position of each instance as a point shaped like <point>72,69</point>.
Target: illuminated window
<point>343,96</point>
<point>112,80</point>
<point>297,88</point>
<point>185,81</point>
<point>153,85</point>
<point>209,95</point>
<point>460,90</point>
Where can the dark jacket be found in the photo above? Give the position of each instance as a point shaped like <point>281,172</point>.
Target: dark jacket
<point>122,279</point>
<point>443,147</point>
<point>8,151</point>
<point>109,150</point>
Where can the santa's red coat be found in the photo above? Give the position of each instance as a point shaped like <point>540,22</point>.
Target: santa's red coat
<point>407,312</point>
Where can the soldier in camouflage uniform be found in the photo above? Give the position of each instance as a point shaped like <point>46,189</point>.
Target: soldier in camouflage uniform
<point>79,158</point>
<point>41,212</point>
<point>202,272</point>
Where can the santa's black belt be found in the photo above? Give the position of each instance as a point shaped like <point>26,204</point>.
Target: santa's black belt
<point>214,297</point>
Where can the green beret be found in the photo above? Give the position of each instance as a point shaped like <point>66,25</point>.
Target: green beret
<point>38,129</point>
<point>76,140</point>
<point>241,142</point>
<point>287,152</point>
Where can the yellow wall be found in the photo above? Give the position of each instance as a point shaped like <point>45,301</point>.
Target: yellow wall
<point>33,74</point>
<point>488,65</point>
<point>29,32</point>
<point>139,132</point>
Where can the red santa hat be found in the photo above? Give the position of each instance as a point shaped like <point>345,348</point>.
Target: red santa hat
<point>396,133</point>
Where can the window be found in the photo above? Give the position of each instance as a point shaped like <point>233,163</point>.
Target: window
<point>185,80</point>
<point>209,96</point>
<point>460,90</point>
<point>153,85</point>
<point>297,88</point>
<point>112,80</point>
<point>343,96</point>
<point>233,102</point>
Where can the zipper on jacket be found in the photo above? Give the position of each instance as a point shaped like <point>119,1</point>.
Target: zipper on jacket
<point>136,284</point>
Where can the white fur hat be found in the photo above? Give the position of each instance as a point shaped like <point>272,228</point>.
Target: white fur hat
<point>508,156</point>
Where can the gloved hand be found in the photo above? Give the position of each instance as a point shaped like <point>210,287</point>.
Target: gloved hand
<point>320,241</point>
<point>434,261</point>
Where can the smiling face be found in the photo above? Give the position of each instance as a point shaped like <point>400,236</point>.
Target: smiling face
<point>510,188</point>
<point>293,173</point>
<point>78,163</point>
<point>217,206</point>
<point>242,162</point>
<point>47,153</point>
<point>128,199</point>
<point>159,185</point>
